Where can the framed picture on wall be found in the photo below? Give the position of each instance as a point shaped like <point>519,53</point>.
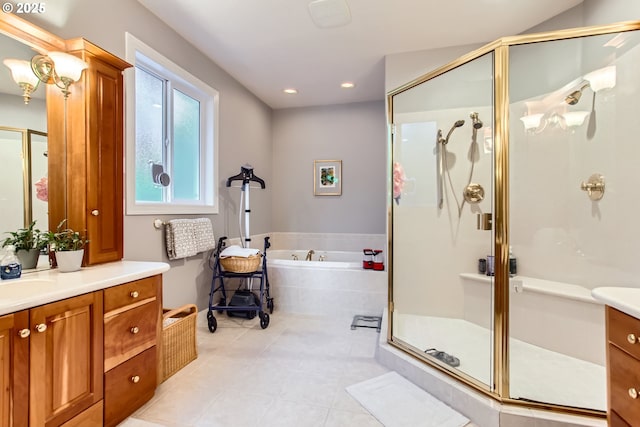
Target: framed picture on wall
<point>327,177</point>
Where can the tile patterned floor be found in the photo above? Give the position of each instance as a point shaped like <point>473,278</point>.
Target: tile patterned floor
<point>293,373</point>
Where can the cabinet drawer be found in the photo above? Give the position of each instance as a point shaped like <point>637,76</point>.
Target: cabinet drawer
<point>624,331</point>
<point>129,386</point>
<point>624,378</point>
<point>129,333</point>
<point>130,293</point>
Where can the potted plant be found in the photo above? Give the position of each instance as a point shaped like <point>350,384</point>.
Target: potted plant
<point>68,247</point>
<point>28,243</point>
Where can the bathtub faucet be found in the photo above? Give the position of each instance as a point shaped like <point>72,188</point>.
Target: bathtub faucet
<point>311,252</point>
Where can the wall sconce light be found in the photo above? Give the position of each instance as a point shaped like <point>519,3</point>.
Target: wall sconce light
<point>575,118</point>
<point>23,76</point>
<point>532,121</point>
<point>536,123</point>
<point>59,68</point>
<point>603,78</point>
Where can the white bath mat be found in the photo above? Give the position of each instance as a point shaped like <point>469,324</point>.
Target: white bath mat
<point>396,402</point>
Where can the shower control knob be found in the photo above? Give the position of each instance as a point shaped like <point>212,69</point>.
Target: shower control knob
<point>632,339</point>
<point>633,393</point>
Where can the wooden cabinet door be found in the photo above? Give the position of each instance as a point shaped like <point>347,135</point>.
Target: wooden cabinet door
<point>14,369</point>
<point>105,160</point>
<point>66,359</point>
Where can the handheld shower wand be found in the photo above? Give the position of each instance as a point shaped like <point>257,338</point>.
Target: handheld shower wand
<point>455,125</point>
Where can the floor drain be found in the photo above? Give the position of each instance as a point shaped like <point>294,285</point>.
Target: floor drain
<point>368,320</point>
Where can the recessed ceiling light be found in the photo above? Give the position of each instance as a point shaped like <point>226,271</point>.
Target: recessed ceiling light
<point>290,91</point>
<point>348,85</point>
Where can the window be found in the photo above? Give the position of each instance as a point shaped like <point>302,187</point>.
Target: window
<point>171,137</point>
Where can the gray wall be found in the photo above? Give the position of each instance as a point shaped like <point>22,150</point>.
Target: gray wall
<point>244,131</point>
<point>354,133</point>
<point>15,113</point>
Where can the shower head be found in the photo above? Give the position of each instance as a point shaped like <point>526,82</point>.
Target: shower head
<point>574,97</point>
<point>477,123</point>
<point>455,125</point>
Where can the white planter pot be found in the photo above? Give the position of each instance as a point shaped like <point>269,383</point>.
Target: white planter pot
<point>69,260</point>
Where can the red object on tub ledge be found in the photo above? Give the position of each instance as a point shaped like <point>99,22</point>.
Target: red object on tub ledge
<point>378,262</point>
<point>367,261</point>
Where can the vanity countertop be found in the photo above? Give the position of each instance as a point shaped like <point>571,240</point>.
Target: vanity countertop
<point>626,300</point>
<point>42,287</point>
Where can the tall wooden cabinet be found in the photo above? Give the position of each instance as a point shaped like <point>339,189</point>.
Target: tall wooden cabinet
<point>87,156</point>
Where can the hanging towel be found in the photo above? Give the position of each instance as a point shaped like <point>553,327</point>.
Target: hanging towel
<point>203,231</point>
<point>180,238</point>
<point>235,250</point>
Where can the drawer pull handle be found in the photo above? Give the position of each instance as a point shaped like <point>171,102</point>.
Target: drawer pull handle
<point>41,327</point>
<point>633,393</point>
<point>632,339</point>
<point>135,379</point>
<point>134,294</point>
<point>135,330</point>
<point>24,333</point>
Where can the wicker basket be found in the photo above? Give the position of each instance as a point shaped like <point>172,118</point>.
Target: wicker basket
<point>236,264</point>
<point>178,339</point>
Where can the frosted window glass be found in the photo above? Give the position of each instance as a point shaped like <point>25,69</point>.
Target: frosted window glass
<point>149,133</point>
<point>186,140</point>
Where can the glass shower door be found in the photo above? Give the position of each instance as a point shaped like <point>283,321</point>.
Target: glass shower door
<point>442,149</point>
<point>573,152</point>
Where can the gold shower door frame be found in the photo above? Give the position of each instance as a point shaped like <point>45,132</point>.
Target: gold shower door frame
<point>500,389</point>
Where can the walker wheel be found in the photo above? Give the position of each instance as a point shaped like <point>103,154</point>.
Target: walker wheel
<point>264,320</point>
<point>270,305</point>
<point>212,322</point>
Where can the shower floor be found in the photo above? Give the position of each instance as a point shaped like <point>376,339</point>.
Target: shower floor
<point>536,374</point>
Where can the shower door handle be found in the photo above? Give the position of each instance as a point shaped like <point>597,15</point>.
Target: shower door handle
<point>485,221</point>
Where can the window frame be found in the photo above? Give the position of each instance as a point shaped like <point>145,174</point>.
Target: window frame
<point>138,53</point>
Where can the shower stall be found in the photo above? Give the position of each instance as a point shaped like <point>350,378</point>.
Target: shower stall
<point>509,206</point>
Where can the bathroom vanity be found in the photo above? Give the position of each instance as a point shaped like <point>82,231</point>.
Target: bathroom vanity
<point>80,348</point>
<point>623,354</point>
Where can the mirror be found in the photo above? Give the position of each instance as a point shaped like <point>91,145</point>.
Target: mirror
<point>23,134</point>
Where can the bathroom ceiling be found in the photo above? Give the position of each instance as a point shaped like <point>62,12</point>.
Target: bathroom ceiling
<point>270,45</point>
